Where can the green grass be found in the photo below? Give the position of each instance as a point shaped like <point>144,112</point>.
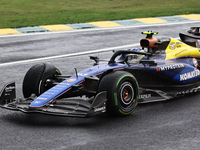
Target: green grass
<point>22,13</point>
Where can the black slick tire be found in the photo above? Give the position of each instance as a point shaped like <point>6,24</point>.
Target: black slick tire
<point>36,77</point>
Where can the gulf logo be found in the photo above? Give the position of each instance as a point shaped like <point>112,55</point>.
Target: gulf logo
<point>71,80</point>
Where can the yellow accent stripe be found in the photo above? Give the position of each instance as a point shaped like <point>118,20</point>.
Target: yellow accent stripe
<point>150,20</point>
<point>191,16</point>
<point>104,24</point>
<point>56,27</point>
<point>8,31</point>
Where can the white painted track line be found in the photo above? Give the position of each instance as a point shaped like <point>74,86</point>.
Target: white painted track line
<point>67,55</point>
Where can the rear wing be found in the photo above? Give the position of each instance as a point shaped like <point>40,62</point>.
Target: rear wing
<point>192,37</point>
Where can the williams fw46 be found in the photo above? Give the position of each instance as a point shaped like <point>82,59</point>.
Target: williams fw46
<point>163,68</point>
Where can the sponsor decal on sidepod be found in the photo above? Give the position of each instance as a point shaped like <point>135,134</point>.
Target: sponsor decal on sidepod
<point>170,67</point>
<point>189,75</point>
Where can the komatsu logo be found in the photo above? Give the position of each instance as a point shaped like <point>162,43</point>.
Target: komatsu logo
<point>189,75</point>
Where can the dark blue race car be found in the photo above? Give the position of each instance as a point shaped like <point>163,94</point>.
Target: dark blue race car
<point>163,68</point>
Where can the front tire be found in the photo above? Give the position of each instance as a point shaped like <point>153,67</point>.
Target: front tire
<point>36,78</point>
<point>122,92</point>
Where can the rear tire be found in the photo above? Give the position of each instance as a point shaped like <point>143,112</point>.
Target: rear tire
<point>122,92</point>
<point>35,80</point>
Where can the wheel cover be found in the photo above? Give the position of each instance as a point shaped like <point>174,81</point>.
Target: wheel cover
<point>126,94</point>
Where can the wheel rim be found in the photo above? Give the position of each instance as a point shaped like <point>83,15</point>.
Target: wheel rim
<point>126,93</point>
<point>46,84</point>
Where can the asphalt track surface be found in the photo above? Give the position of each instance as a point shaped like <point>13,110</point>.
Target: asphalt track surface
<point>169,125</point>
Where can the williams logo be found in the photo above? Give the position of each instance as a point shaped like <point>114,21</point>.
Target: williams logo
<point>174,45</point>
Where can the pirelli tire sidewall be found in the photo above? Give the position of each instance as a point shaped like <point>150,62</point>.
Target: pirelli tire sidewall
<point>122,92</point>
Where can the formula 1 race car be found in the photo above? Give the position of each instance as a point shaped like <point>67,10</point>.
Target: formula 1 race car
<point>163,68</point>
